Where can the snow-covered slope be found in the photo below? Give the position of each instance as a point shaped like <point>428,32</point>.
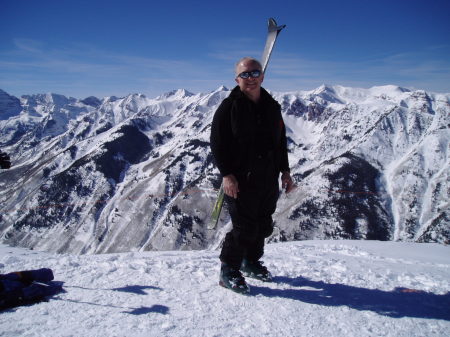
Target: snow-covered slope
<point>321,288</point>
<point>134,173</point>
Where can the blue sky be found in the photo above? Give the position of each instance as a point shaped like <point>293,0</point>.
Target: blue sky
<point>103,48</point>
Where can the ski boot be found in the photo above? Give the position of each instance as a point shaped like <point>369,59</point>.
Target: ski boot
<point>256,270</point>
<point>232,279</point>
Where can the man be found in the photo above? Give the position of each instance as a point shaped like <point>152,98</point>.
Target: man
<point>248,141</point>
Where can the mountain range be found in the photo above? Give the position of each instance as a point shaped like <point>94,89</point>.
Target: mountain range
<point>136,173</point>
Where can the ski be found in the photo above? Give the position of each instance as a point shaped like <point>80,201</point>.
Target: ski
<point>273,31</point>
<point>272,34</point>
<point>217,209</point>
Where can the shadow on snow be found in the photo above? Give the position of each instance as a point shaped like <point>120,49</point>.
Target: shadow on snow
<point>133,289</point>
<point>401,302</point>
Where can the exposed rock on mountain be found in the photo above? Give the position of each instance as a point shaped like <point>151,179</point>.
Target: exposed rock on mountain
<point>134,173</point>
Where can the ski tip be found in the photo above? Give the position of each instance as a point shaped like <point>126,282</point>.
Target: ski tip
<point>273,25</point>
<point>272,22</point>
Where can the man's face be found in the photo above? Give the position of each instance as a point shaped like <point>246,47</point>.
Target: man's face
<point>249,85</point>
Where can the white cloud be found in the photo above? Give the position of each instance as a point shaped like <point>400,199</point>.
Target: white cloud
<point>81,69</point>
<point>417,70</point>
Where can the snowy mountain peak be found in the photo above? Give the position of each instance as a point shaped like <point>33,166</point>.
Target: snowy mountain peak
<point>326,94</point>
<point>9,105</point>
<point>222,88</point>
<point>56,100</point>
<point>175,94</point>
<point>391,93</point>
<point>394,88</point>
<point>92,101</point>
<point>324,88</point>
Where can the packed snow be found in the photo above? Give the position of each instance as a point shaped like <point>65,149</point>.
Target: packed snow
<point>320,288</point>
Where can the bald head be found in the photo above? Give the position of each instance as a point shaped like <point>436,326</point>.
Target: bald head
<point>247,62</point>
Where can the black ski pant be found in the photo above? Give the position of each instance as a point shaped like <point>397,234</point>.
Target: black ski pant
<point>251,215</point>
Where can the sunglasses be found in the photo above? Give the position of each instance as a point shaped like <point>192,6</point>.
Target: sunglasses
<point>252,74</point>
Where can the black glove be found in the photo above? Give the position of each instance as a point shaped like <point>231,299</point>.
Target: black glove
<point>5,162</point>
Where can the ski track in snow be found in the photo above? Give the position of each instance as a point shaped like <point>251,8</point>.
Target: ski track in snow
<point>321,288</point>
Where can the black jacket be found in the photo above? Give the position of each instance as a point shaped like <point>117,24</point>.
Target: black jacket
<point>234,133</point>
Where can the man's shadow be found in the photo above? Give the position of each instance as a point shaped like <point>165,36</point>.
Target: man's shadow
<point>133,289</point>
<point>401,302</point>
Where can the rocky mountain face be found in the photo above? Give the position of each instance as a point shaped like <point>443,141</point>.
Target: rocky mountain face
<point>134,173</point>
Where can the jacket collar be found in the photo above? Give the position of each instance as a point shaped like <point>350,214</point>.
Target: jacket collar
<point>236,93</point>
